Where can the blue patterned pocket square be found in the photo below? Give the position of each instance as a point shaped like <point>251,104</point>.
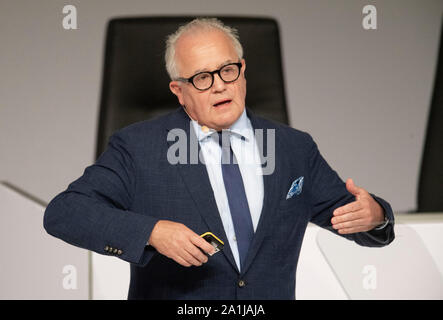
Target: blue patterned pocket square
<point>295,188</point>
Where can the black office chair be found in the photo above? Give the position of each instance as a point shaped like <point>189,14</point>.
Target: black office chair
<point>135,82</point>
<point>430,189</point>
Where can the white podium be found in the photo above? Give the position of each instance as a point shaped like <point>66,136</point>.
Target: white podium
<point>410,268</point>
<point>35,265</point>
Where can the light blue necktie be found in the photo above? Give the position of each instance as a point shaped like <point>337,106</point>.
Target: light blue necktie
<point>238,203</point>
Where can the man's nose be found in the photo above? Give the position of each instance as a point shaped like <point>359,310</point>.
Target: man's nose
<point>219,84</point>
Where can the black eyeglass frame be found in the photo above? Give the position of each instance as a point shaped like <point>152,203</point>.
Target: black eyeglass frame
<point>191,79</point>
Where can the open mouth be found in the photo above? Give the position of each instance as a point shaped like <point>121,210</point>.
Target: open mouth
<point>223,102</point>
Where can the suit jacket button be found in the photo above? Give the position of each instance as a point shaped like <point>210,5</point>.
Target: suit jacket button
<point>106,248</point>
<point>115,251</point>
<point>119,252</point>
<point>242,283</point>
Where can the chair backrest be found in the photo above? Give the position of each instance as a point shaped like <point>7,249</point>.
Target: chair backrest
<point>430,188</point>
<point>135,83</point>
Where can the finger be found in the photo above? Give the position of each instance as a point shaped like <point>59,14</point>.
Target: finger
<point>352,188</point>
<point>350,216</point>
<point>196,253</point>
<point>203,244</point>
<point>181,261</point>
<point>350,224</point>
<point>350,207</point>
<point>353,230</point>
<point>189,258</point>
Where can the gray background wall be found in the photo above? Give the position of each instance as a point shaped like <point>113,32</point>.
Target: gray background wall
<point>363,95</point>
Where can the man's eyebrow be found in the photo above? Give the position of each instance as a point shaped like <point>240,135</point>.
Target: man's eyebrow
<point>218,67</point>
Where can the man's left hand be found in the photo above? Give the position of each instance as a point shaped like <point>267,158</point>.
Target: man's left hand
<point>362,215</point>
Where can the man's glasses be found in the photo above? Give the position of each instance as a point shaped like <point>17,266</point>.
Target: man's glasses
<point>204,80</point>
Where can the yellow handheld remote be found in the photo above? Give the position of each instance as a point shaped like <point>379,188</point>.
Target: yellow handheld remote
<point>213,240</point>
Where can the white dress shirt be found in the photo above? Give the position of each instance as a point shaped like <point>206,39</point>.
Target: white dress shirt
<point>244,146</point>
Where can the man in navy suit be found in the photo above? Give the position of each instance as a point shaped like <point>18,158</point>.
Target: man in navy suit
<point>143,204</point>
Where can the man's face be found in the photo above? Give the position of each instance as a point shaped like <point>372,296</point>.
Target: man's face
<point>222,104</point>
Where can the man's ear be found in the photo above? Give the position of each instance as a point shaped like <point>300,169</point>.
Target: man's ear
<point>176,89</point>
<point>243,67</point>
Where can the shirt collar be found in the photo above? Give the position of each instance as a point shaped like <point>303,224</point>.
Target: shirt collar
<point>241,127</point>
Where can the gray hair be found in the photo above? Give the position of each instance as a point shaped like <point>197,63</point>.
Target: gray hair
<point>199,24</point>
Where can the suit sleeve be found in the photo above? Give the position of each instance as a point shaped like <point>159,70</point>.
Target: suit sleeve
<point>329,192</point>
<point>93,212</point>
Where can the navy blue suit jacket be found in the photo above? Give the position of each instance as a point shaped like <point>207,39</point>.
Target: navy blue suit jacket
<point>112,208</point>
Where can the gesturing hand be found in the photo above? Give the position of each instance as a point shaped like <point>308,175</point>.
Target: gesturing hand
<point>178,242</point>
<point>359,216</point>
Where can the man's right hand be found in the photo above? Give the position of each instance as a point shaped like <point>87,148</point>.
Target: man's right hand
<point>178,242</point>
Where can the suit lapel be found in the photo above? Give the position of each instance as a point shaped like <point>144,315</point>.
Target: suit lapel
<point>196,179</point>
<point>270,190</point>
